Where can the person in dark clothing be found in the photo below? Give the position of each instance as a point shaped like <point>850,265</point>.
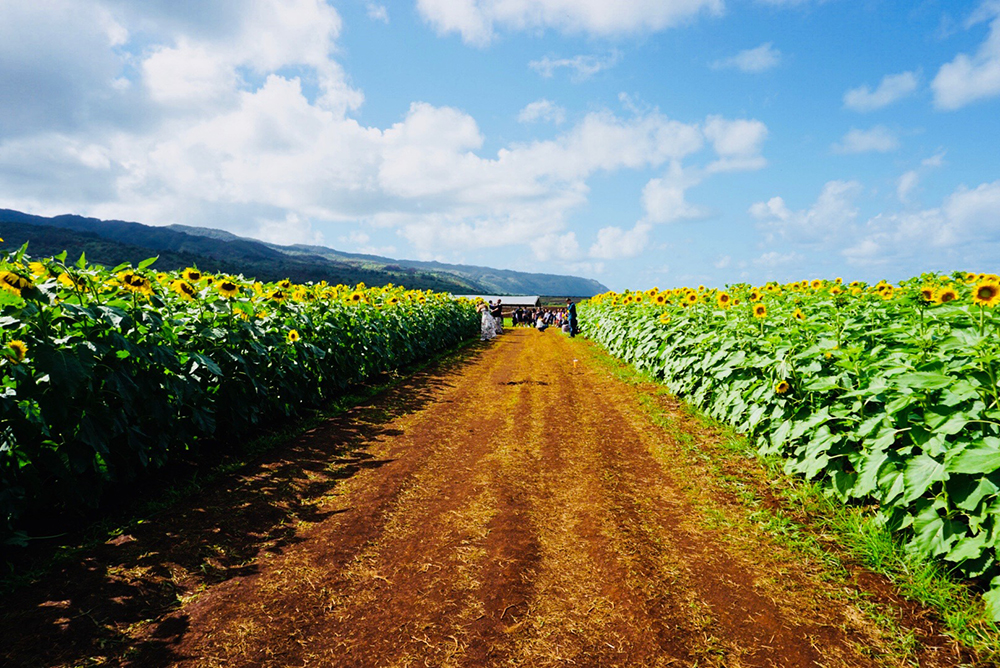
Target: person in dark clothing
<point>571,312</point>
<point>497,311</point>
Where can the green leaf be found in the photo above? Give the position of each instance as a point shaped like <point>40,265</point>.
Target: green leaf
<point>924,380</point>
<point>992,599</point>
<point>869,473</point>
<point>967,492</point>
<point>981,457</point>
<point>970,547</point>
<point>920,473</point>
<point>147,262</point>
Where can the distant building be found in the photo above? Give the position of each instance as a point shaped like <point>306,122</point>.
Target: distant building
<point>509,302</point>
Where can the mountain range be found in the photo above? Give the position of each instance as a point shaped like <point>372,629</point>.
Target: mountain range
<point>111,242</point>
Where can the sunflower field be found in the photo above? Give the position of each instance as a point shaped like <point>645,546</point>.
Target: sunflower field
<point>106,374</point>
<point>886,394</point>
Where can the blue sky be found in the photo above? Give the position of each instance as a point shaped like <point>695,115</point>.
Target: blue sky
<point>640,142</point>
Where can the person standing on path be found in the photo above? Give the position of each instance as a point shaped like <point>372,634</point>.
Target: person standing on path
<point>497,312</point>
<point>571,312</point>
<point>488,325</point>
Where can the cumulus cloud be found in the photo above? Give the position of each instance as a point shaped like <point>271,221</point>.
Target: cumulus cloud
<point>614,243</point>
<point>664,200</point>
<point>542,110</point>
<point>758,59</point>
<point>965,228</point>
<point>893,87</point>
<point>969,78</point>
<point>878,139</point>
<point>737,142</point>
<point>240,118</point>
<point>829,218</point>
<point>581,67</point>
<point>477,20</point>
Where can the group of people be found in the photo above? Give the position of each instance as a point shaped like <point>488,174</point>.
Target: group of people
<point>539,318</point>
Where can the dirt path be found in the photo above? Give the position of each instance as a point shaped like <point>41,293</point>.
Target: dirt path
<point>515,508</point>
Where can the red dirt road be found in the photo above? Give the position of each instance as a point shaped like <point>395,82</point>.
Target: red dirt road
<point>515,508</point>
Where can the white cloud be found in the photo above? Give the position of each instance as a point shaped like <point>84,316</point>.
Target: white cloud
<point>542,110</point>
<point>562,247</point>
<point>238,117</point>
<point>583,67</point>
<point>969,78</point>
<point>830,217</point>
<point>879,139</point>
<point>906,184</point>
<point>758,59</point>
<point>291,229</point>
<point>774,259</point>
<point>614,243</point>
<point>965,228</point>
<point>737,142</point>
<point>377,12</point>
<point>663,199</point>
<point>723,262</point>
<point>477,20</point>
<point>355,238</point>
<point>892,88</point>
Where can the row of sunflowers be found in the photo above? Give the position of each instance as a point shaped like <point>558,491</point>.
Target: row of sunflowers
<point>886,394</point>
<point>106,374</point>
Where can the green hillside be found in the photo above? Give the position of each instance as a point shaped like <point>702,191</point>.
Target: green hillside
<point>178,246</point>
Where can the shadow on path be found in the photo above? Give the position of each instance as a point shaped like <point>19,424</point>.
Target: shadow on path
<point>86,610</point>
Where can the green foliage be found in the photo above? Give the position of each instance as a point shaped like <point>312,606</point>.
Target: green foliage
<point>105,375</point>
<point>885,396</point>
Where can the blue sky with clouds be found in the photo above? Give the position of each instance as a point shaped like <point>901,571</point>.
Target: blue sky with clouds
<point>639,142</point>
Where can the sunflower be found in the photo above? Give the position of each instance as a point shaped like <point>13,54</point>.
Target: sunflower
<point>799,315</point>
<point>393,300</point>
<point>278,296</point>
<point>285,284</point>
<point>782,387</point>
<point>927,293</point>
<point>945,295</point>
<point>970,277</point>
<point>836,290</point>
<point>692,298</point>
<point>184,289</point>
<point>227,289</point>
<point>664,319</point>
<point>135,283</point>
<point>293,336</point>
<point>661,299</point>
<point>14,283</point>
<point>986,293</point>
<point>356,297</point>
<point>191,275</point>
<point>20,350</point>
<point>759,311</point>
<point>38,269</point>
<point>724,300</point>
<point>756,296</point>
<point>816,284</point>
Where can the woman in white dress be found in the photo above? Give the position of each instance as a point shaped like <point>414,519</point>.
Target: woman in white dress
<point>489,325</point>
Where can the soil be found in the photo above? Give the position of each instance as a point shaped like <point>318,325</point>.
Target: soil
<point>514,506</point>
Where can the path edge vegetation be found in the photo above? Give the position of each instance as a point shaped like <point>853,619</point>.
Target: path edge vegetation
<point>835,533</point>
<point>109,523</point>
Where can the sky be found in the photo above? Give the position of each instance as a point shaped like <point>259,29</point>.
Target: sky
<point>637,142</point>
